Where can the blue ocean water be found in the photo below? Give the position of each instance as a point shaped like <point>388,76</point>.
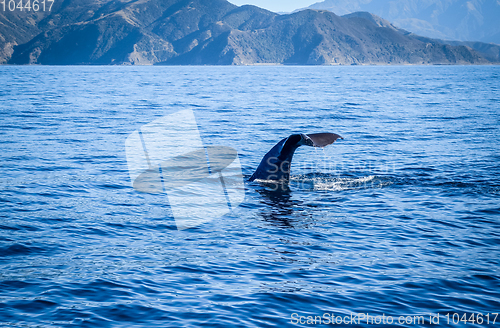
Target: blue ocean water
<point>401,218</point>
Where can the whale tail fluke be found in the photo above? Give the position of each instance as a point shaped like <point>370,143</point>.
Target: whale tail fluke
<point>276,164</point>
<point>323,139</point>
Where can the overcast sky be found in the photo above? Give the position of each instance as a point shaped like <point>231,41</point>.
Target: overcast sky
<point>276,5</point>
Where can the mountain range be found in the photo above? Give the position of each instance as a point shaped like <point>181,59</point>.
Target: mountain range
<point>459,20</point>
<point>215,32</point>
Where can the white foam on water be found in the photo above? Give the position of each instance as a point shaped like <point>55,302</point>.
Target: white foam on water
<point>337,184</point>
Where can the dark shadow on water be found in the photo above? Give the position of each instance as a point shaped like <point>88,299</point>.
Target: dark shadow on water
<point>279,205</point>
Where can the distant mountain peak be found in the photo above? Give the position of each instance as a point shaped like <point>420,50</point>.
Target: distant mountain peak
<point>212,32</point>
<point>462,20</point>
<point>372,18</point>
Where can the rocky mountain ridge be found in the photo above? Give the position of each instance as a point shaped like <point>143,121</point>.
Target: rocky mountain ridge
<point>211,32</point>
<point>460,20</point>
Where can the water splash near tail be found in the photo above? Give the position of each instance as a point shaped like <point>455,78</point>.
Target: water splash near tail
<point>328,182</point>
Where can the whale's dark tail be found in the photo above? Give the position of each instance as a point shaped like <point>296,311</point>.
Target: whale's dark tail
<point>275,166</point>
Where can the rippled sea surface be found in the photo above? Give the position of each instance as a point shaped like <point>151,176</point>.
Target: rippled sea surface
<point>401,218</point>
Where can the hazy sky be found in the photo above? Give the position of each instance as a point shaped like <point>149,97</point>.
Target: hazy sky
<point>276,5</point>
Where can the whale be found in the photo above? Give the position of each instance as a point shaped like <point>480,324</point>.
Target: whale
<point>276,164</point>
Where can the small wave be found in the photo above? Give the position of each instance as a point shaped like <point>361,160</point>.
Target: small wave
<point>20,250</point>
